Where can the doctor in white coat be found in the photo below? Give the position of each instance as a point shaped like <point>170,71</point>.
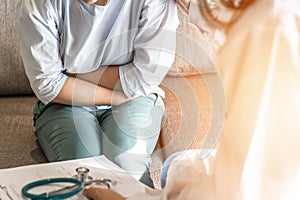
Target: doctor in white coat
<point>258,155</point>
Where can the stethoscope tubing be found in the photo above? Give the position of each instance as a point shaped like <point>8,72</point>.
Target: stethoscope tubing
<point>29,186</point>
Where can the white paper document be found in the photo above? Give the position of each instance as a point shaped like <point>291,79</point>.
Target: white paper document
<point>12,180</point>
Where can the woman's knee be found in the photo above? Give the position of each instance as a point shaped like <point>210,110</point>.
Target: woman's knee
<point>138,120</point>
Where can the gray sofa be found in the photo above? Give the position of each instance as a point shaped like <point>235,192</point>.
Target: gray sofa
<point>184,127</point>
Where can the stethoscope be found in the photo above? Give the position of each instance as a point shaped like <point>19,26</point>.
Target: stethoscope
<point>78,182</point>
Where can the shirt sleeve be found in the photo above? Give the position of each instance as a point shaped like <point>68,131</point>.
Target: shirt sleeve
<point>188,176</point>
<point>39,46</point>
<point>154,49</point>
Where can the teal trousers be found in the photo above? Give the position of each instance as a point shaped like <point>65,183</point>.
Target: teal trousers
<point>126,134</point>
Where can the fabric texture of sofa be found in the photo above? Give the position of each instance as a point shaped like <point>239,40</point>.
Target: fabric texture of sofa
<point>189,95</point>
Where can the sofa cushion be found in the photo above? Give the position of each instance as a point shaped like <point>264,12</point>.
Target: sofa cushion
<point>12,76</point>
<point>193,118</point>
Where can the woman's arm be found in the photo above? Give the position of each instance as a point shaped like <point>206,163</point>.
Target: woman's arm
<point>154,49</point>
<point>40,43</point>
<point>100,87</point>
<point>79,92</point>
<point>107,77</point>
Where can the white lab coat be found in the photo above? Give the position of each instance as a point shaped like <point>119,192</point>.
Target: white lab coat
<point>258,155</point>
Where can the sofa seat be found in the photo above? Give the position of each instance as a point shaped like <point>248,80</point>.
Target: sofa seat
<point>18,141</point>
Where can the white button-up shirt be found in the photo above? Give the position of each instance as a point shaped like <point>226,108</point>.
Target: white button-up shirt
<point>75,37</point>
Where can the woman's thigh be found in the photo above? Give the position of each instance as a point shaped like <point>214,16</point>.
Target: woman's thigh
<point>131,132</point>
<point>67,132</point>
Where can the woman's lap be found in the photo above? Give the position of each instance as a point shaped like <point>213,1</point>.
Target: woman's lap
<point>126,134</point>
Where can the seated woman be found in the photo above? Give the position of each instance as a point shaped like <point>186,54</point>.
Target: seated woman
<point>96,67</point>
<point>257,157</point>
